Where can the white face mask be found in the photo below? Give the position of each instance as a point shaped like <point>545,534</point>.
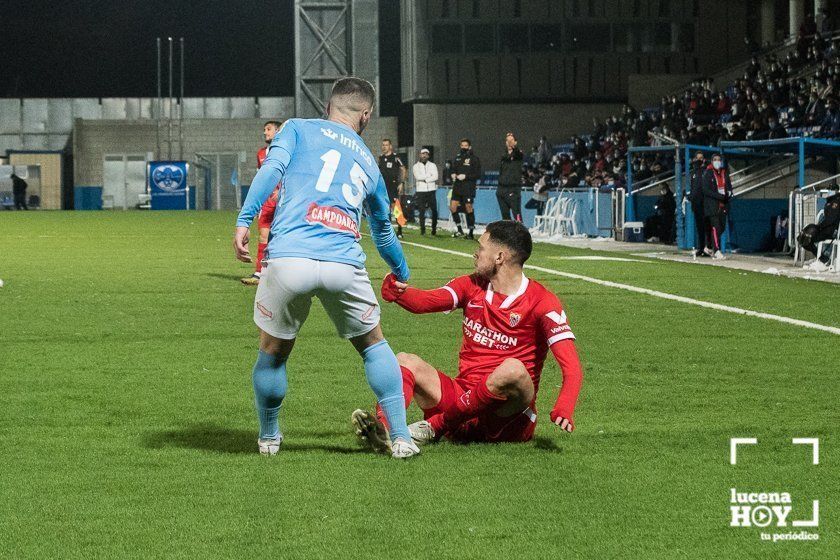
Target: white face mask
<point>717,164</point>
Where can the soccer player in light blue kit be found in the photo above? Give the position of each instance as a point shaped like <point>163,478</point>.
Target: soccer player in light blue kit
<point>328,174</point>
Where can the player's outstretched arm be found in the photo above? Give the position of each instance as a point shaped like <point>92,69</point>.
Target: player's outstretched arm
<point>383,234</point>
<point>564,408</point>
<point>417,301</point>
<point>272,172</point>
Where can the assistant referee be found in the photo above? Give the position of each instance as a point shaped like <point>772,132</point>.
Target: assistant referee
<point>394,173</point>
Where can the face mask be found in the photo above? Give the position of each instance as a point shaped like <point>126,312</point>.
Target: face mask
<point>717,164</point>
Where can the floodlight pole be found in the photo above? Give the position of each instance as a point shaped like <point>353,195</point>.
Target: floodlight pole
<point>169,147</point>
<point>181,109</point>
<point>157,127</point>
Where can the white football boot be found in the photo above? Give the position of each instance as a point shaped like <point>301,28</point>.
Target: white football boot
<point>402,449</point>
<point>370,431</point>
<point>421,432</point>
<point>270,446</point>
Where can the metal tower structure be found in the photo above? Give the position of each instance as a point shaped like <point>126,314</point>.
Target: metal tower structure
<point>333,38</point>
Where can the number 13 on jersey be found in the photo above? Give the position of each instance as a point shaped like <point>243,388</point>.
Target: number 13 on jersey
<point>357,176</point>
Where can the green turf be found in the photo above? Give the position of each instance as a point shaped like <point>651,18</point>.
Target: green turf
<point>127,426</point>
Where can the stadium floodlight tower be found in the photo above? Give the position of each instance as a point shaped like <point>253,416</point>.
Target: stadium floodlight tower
<point>333,38</point>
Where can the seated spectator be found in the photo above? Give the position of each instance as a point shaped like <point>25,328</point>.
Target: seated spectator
<point>826,229</point>
<point>815,111</point>
<point>775,130</point>
<point>830,125</point>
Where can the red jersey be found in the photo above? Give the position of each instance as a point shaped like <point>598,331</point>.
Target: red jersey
<point>522,326</point>
<point>269,206</point>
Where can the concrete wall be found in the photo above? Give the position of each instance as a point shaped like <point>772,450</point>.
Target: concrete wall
<point>645,90</point>
<point>46,124</point>
<point>561,50</point>
<point>93,139</point>
<point>443,125</point>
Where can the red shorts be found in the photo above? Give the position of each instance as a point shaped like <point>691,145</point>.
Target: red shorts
<point>267,210</point>
<point>488,428</point>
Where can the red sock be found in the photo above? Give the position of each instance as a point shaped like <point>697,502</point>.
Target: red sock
<point>408,391</point>
<point>260,254</point>
<point>476,401</point>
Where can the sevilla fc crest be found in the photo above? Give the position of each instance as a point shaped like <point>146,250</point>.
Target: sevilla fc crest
<point>514,319</point>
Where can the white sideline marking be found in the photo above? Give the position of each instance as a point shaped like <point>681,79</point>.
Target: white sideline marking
<point>654,293</point>
<point>598,258</point>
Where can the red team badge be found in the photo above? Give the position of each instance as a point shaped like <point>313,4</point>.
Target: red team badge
<point>514,319</point>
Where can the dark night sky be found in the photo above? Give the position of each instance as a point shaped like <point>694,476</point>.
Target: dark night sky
<point>88,48</point>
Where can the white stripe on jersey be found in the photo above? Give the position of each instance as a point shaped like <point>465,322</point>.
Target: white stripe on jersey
<point>562,336</point>
<point>559,319</point>
<point>454,296</point>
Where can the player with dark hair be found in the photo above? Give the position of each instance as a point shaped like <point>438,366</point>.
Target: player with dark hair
<point>314,250</point>
<point>266,215</point>
<point>510,323</point>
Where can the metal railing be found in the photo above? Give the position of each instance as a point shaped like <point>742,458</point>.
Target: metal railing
<point>654,184</point>
<point>765,176</point>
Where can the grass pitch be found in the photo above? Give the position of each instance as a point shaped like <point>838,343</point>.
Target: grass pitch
<point>127,427</point>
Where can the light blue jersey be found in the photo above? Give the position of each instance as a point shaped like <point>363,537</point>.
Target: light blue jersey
<point>328,174</point>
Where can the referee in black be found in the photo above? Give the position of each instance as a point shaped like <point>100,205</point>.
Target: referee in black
<point>394,173</point>
<point>465,172</point>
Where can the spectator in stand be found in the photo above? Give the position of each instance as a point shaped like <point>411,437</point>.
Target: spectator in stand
<point>509,191</point>
<point>830,125</point>
<point>717,192</point>
<point>541,188</point>
<point>544,152</point>
<point>425,174</point>
<point>797,114</point>
<point>774,129</point>
<point>815,111</point>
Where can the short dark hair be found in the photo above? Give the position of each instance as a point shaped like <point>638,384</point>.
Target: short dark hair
<point>467,140</point>
<point>514,236</point>
<point>387,140</point>
<point>277,124</point>
<point>356,88</point>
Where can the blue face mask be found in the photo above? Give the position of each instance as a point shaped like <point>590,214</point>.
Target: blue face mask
<point>717,164</point>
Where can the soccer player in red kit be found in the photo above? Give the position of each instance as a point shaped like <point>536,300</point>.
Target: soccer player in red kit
<point>266,215</point>
<point>510,323</point>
